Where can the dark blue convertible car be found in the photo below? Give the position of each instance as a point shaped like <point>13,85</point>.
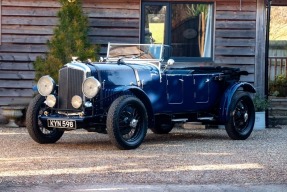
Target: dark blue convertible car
<point>134,89</point>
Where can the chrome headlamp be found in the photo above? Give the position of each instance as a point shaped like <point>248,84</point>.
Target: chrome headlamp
<point>77,101</point>
<point>46,85</point>
<point>51,100</point>
<point>91,87</point>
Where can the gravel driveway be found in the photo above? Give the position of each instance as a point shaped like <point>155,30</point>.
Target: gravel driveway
<point>182,157</point>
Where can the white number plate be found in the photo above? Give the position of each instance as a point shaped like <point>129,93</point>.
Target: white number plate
<point>55,123</point>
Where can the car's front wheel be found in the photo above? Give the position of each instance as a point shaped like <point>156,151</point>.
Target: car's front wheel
<point>127,122</point>
<point>241,116</point>
<point>34,126</point>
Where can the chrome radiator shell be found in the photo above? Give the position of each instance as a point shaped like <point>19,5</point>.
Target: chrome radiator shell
<point>71,78</point>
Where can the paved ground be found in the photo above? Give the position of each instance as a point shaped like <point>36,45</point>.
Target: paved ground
<point>149,188</point>
<point>184,160</point>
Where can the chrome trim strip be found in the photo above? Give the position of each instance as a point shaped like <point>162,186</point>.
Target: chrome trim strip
<point>79,66</point>
<point>70,114</point>
<point>137,77</point>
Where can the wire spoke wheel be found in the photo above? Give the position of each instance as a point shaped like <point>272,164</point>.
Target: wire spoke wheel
<point>127,122</point>
<point>242,116</point>
<point>130,122</point>
<point>35,128</point>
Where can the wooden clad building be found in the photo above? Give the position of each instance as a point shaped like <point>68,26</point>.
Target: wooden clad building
<point>236,35</point>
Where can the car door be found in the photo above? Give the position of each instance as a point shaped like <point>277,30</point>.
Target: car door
<point>174,87</point>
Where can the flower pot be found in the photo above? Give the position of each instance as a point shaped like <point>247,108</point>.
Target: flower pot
<point>12,113</point>
<point>259,121</point>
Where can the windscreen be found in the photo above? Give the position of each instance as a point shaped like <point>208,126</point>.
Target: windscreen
<point>136,51</point>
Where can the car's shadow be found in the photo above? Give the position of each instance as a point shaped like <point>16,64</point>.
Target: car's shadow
<point>188,136</point>
<point>96,141</point>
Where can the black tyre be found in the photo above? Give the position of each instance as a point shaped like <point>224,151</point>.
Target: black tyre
<point>127,122</point>
<point>241,116</point>
<point>163,125</point>
<point>34,126</point>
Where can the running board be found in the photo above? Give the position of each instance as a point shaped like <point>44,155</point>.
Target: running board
<point>206,118</point>
<point>179,120</point>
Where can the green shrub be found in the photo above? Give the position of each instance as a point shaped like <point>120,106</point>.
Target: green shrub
<point>260,103</point>
<point>70,38</point>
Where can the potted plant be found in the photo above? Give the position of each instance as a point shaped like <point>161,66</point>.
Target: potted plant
<point>261,104</point>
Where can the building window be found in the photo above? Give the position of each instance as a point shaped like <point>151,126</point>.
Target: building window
<point>186,27</point>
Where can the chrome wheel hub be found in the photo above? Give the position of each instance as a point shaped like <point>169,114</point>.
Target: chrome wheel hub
<point>134,123</point>
<point>245,117</point>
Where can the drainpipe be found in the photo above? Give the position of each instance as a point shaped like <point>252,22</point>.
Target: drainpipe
<point>267,56</point>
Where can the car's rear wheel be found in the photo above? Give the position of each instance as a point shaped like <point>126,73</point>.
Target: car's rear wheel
<point>241,116</point>
<point>163,125</point>
<point>127,122</point>
<point>34,126</point>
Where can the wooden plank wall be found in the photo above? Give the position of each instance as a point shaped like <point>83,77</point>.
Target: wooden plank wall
<point>235,35</point>
<point>114,21</point>
<point>28,24</point>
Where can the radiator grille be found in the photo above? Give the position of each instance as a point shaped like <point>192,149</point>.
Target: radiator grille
<point>70,84</point>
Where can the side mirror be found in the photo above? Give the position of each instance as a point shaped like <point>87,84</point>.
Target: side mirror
<point>170,62</point>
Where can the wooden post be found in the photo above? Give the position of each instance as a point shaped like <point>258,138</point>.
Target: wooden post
<point>260,48</point>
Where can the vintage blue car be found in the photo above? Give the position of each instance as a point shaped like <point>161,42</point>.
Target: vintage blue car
<point>136,88</point>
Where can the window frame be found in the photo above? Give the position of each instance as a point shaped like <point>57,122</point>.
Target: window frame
<point>168,24</point>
